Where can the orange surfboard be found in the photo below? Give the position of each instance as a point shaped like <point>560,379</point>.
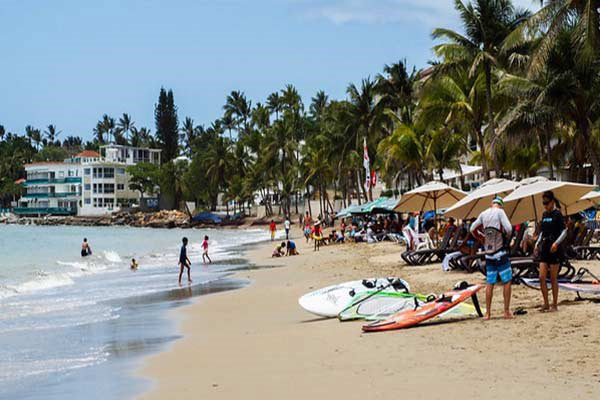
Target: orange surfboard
<point>408,318</point>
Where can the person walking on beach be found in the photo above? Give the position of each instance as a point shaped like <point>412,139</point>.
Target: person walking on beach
<point>307,224</point>
<point>547,248</point>
<point>496,229</point>
<point>86,250</point>
<point>205,251</point>
<point>287,225</point>
<point>184,261</point>
<point>273,229</point>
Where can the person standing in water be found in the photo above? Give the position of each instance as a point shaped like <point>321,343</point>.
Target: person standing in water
<point>205,251</point>
<point>547,247</point>
<point>86,250</point>
<point>273,229</point>
<point>287,225</point>
<point>184,261</point>
<point>134,265</point>
<point>496,230</point>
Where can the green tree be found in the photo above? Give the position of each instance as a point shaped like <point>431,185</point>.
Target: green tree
<point>144,177</point>
<point>167,131</point>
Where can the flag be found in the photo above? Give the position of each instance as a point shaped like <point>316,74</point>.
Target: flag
<point>366,165</point>
<point>373,178</point>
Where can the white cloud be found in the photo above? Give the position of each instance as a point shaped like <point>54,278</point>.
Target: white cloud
<point>429,12</point>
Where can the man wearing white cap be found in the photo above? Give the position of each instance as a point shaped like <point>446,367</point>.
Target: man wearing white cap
<point>496,228</point>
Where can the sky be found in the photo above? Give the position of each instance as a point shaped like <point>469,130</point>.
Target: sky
<point>68,62</point>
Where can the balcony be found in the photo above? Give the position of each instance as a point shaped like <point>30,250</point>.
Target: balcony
<point>54,195</point>
<point>44,211</point>
<point>71,179</point>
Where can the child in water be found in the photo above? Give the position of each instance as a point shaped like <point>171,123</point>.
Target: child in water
<point>134,265</point>
<point>205,251</point>
<point>184,261</point>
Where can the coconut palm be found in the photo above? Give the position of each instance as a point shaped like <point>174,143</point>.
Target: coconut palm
<point>125,125</point>
<point>487,24</point>
<point>51,133</point>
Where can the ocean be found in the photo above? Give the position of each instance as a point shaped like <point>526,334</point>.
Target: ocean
<point>74,327</point>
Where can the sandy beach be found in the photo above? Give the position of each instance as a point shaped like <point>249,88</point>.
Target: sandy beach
<point>257,342</point>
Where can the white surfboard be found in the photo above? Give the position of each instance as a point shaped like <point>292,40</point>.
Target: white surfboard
<point>329,301</point>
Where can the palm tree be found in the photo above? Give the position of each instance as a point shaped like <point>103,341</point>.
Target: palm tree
<point>229,123</point>
<point>487,24</point>
<point>396,88</point>
<point>274,104</point>
<point>125,125</point>
<point>239,107</point>
<point>2,132</point>
<point>188,134</point>
<point>108,126</point>
<point>51,133</point>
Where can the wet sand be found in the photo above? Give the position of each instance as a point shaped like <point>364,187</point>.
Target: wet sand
<point>257,342</point>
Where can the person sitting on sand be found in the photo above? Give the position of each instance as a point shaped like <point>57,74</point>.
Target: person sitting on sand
<point>339,238</point>
<point>291,249</point>
<point>85,248</point>
<point>497,228</point>
<point>184,261</point>
<point>134,265</point>
<point>279,252</point>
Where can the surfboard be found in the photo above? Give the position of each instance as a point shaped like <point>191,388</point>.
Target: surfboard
<point>330,300</point>
<point>565,284</point>
<point>373,306</point>
<point>424,312</point>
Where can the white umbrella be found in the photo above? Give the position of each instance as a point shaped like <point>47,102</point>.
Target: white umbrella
<point>585,202</point>
<point>481,198</point>
<point>525,202</point>
<point>431,196</point>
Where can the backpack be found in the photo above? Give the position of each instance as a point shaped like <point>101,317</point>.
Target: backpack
<point>494,240</point>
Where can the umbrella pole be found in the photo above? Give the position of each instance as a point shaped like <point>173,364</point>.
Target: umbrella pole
<point>534,209</point>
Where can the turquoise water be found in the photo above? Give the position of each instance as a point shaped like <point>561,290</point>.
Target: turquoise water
<point>74,327</point>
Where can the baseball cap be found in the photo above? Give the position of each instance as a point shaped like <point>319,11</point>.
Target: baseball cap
<point>498,200</point>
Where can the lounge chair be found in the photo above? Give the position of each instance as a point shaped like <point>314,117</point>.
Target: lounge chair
<point>420,257</point>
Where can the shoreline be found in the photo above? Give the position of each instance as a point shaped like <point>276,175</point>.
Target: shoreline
<point>258,341</point>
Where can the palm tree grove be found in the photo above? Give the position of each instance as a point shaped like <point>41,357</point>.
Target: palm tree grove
<point>511,90</point>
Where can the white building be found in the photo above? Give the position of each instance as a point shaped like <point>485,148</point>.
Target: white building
<point>87,184</point>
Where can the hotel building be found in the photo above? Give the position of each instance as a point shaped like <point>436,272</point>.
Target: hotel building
<point>87,184</point>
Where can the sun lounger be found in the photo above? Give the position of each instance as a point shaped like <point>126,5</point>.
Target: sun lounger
<point>420,257</point>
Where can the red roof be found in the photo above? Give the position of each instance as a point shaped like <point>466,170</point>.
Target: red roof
<point>88,154</point>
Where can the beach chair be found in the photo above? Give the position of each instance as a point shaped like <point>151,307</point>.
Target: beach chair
<point>415,242</point>
<point>584,251</point>
<point>420,257</point>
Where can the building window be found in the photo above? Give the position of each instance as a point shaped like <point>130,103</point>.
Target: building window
<point>120,171</point>
<point>61,174</point>
<point>109,172</point>
<point>87,186</point>
<point>120,186</point>
<point>109,188</point>
<point>86,171</point>
<point>87,200</point>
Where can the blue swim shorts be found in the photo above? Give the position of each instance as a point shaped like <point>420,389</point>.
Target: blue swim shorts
<point>497,268</point>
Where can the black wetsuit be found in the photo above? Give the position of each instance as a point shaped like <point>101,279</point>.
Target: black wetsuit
<point>553,224</point>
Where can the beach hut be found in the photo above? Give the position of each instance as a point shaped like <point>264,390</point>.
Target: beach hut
<point>525,202</point>
<point>480,199</point>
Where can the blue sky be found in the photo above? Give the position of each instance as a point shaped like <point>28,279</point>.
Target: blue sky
<point>67,62</point>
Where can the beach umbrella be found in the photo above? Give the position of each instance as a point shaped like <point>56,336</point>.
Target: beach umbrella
<point>348,211</point>
<point>525,202</point>
<point>431,196</point>
<point>585,202</point>
<point>480,199</point>
<point>382,205</point>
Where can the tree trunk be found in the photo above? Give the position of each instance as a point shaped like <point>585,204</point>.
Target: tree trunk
<point>585,133</point>
<point>308,199</point>
<point>492,129</point>
<point>481,144</point>
<point>549,153</point>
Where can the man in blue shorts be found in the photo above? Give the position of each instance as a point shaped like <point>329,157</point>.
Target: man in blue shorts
<point>496,229</point>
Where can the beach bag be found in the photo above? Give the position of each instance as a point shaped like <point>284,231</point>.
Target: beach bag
<point>494,240</point>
